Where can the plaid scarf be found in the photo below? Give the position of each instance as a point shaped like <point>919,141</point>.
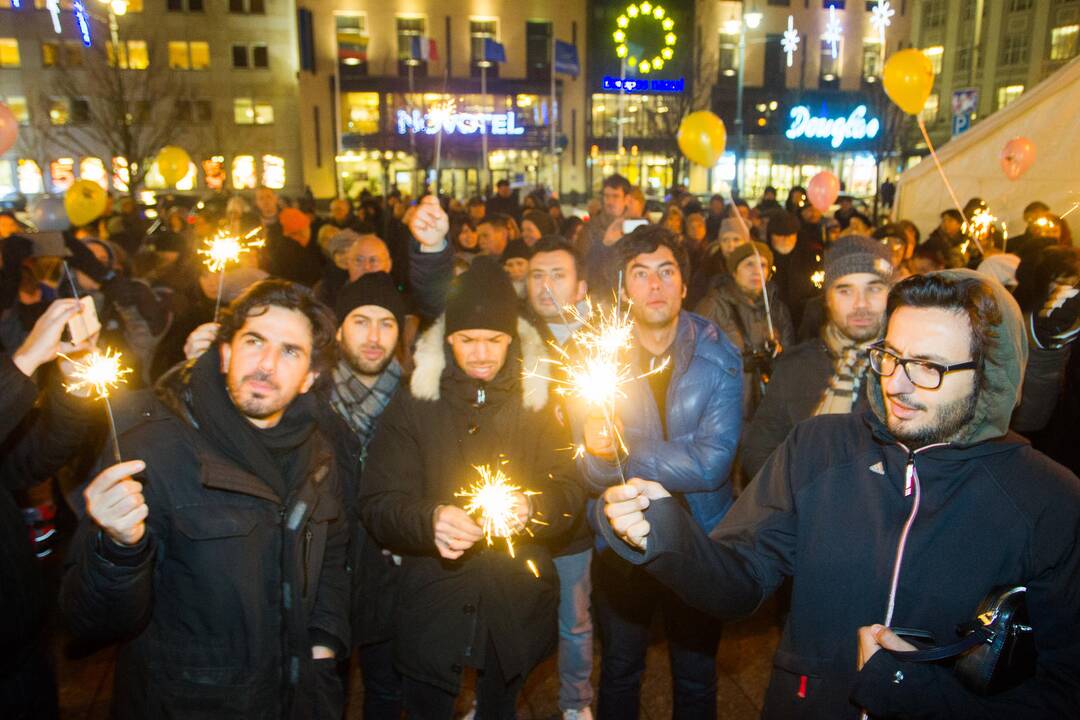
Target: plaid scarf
<point>850,360</point>
<point>358,404</point>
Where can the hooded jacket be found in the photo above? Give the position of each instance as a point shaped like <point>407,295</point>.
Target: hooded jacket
<point>842,507</point>
<point>220,604</point>
<point>704,418</point>
<point>430,437</point>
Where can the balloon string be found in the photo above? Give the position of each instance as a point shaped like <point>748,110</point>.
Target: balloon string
<point>726,190</point>
<point>945,179</point>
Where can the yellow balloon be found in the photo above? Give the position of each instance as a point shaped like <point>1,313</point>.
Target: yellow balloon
<point>702,137</point>
<point>908,79</point>
<point>84,202</point>
<point>173,164</point>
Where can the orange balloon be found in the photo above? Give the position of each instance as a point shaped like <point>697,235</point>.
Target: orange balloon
<point>702,137</point>
<point>908,79</point>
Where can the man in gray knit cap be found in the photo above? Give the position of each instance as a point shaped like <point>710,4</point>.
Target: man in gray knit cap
<point>825,375</point>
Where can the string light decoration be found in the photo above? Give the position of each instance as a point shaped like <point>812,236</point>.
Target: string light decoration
<point>834,31</point>
<point>643,12</point>
<point>881,18</point>
<point>790,42</point>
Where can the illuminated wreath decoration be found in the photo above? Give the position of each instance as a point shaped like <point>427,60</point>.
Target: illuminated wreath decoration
<point>645,11</point>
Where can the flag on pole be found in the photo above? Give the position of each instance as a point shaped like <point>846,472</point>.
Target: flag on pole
<point>424,48</point>
<point>566,59</point>
<point>352,48</point>
<point>494,51</point>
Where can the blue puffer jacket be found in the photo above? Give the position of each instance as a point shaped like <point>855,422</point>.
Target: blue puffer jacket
<point>704,418</point>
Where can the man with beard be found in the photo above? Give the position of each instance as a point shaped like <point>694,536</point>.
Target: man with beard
<point>222,568</point>
<point>462,603</point>
<point>680,423</point>
<point>827,374</point>
<point>906,515</point>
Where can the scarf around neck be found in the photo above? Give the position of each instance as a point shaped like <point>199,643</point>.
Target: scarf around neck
<point>359,405</point>
<point>275,455</point>
<point>850,360</point>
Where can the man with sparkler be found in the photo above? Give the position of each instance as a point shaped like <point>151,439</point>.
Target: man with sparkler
<point>826,374</point>
<point>222,569</point>
<point>33,445</point>
<point>466,601</point>
<point>679,425</point>
<point>556,281</point>
<point>905,515</point>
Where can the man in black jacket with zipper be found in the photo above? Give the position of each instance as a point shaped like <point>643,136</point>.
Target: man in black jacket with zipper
<point>222,568</point>
<point>906,515</point>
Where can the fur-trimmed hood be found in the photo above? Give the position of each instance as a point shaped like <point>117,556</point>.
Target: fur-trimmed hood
<point>431,357</point>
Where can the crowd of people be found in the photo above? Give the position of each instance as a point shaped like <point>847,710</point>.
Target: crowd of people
<point>876,426</point>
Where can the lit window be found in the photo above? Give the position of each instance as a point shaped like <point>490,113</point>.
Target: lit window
<point>479,31</point>
<point>243,172</point>
<point>830,65</point>
<point>243,111</point>
<point>1007,94</point>
<point>871,60</point>
<point>7,178</point>
<point>273,171</point>
<point>729,54</point>
<point>17,105</point>
<point>929,113</point>
<point>133,55</point>
<point>200,55</point>
<point>935,54</point>
<point>120,174</point>
<point>29,174</point>
<point>214,172</point>
<point>408,27</point>
<point>9,53</point>
<point>1063,42</point>
<point>264,113</point>
<point>360,113</point>
<point>59,111</point>
<point>62,174</point>
<point>352,39</point>
<point>50,54</point>
<point>188,55</point>
<point>93,169</point>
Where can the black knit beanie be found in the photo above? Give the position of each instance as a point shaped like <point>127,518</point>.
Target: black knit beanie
<point>482,298</point>
<point>371,289</point>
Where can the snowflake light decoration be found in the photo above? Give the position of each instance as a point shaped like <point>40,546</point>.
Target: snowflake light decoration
<point>881,18</point>
<point>790,42</point>
<point>53,6</point>
<point>833,32</point>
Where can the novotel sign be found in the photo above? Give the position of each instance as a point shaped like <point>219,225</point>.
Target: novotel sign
<point>462,123</point>
<point>838,130</point>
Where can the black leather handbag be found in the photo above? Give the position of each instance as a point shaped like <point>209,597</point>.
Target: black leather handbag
<point>996,650</point>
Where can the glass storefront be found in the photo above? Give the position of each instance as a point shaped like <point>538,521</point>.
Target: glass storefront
<point>785,169</point>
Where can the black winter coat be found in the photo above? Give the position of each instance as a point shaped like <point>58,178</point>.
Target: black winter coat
<point>829,508</point>
<point>218,608</point>
<point>800,376</point>
<point>34,443</point>
<point>429,438</point>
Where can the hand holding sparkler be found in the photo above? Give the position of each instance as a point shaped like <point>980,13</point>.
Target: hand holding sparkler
<point>455,531</point>
<point>44,343</point>
<point>600,441</point>
<point>115,502</point>
<point>503,508</point>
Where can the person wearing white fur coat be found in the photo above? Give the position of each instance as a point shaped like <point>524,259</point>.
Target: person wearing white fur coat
<point>469,403</point>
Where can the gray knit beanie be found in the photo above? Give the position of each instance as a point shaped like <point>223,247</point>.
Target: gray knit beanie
<point>857,254</point>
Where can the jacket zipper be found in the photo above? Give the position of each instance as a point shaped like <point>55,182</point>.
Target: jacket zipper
<point>911,485</point>
<point>307,559</point>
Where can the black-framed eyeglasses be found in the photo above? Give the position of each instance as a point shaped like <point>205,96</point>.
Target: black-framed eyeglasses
<point>921,373</point>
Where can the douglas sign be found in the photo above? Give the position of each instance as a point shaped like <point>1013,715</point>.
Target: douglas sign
<point>838,130</point>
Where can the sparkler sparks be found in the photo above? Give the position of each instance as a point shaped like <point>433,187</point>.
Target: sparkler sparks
<point>790,42</point>
<point>493,501</point>
<point>224,249</point>
<point>981,228</point>
<point>102,372</point>
<point>818,278</point>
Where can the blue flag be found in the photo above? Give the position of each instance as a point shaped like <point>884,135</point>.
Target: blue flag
<point>566,59</point>
<point>494,51</point>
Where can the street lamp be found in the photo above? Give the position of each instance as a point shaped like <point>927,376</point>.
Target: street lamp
<point>115,9</point>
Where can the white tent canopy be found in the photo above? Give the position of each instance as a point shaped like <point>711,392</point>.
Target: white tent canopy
<point>1049,116</point>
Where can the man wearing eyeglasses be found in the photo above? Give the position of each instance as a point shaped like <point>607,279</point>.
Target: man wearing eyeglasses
<point>905,515</point>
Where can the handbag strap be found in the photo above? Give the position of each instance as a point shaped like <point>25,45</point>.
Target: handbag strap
<point>978,635</point>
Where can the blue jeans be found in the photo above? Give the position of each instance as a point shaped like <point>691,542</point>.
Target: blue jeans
<point>575,630</point>
<point>626,599</point>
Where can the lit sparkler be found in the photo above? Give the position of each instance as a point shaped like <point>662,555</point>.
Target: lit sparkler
<point>102,373</point>
<point>598,369</point>
<point>818,278</point>
<point>981,227</point>
<point>223,250</point>
<point>493,501</point>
